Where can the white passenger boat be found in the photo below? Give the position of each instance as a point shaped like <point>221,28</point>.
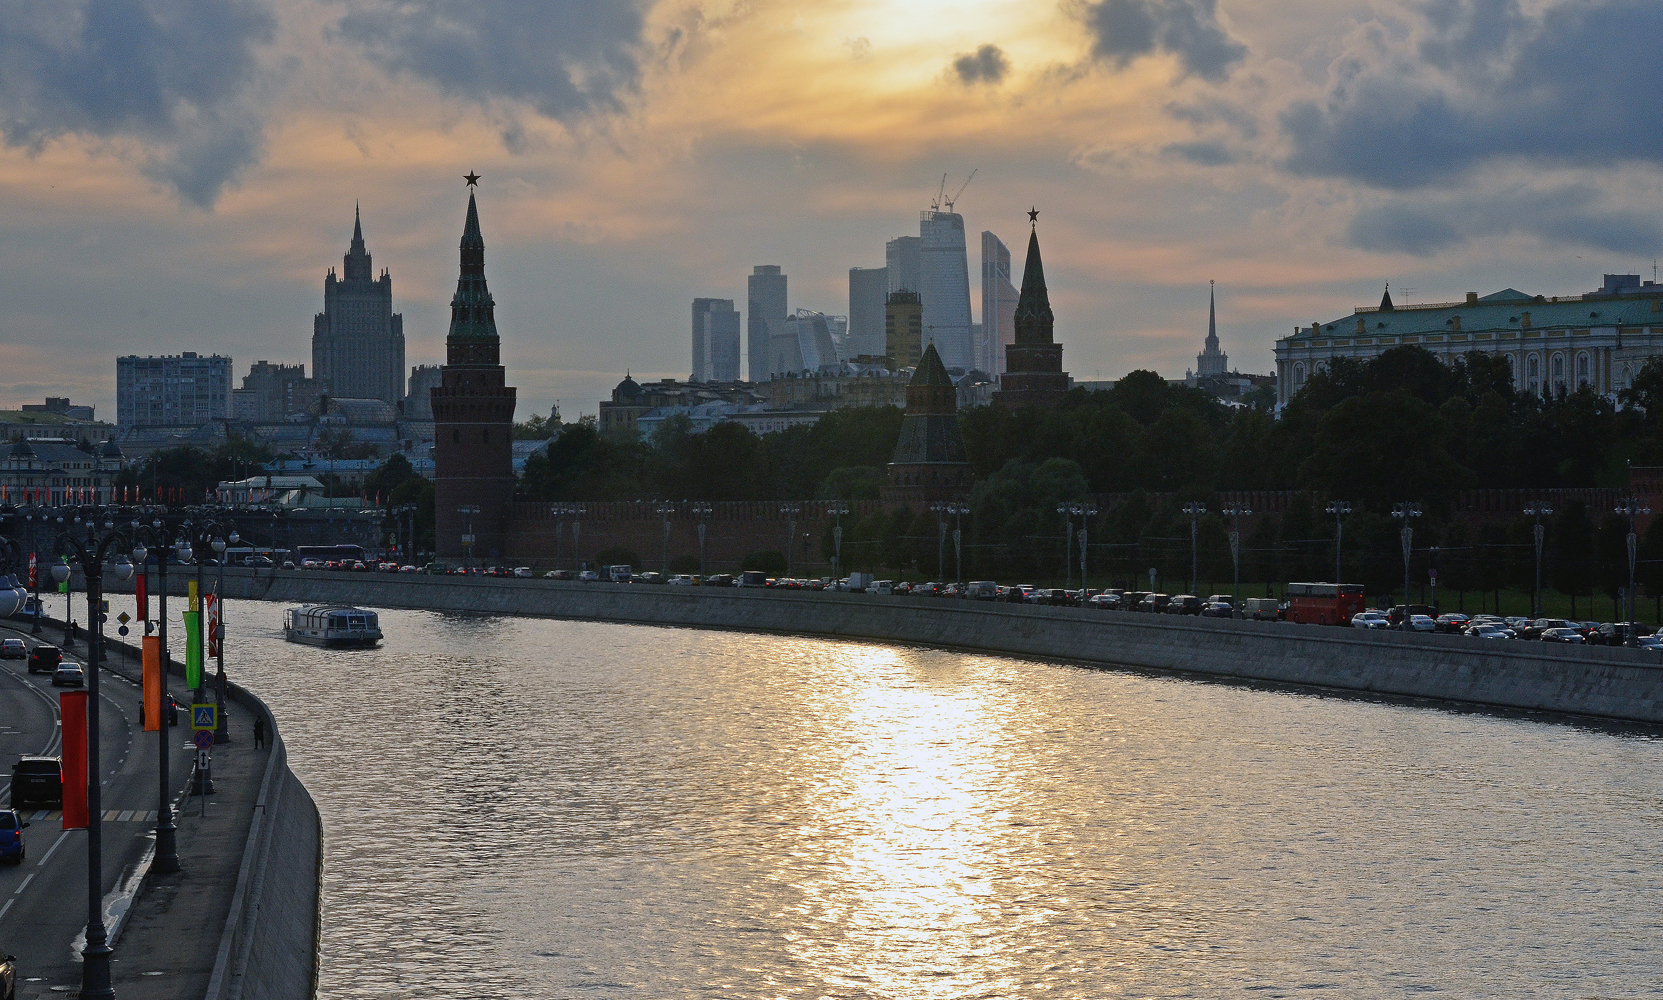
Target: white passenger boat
<point>332,626</point>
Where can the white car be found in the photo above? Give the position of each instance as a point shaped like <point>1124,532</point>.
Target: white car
<point>1422,623</point>
<point>682,580</point>
<point>1369,619</point>
<point>522,572</point>
<point>588,576</point>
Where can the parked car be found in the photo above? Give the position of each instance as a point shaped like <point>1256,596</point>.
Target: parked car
<point>1183,604</point>
<point>43,659</point>
<point>69,674</point>
<point>683,580</point>
<point>1217,609</point>
<point>1370,619</point>
<point>1563,635</point>
<point>1260,609</point>
<point>1423,623</point>
<point>1107,601</point>
<point>1452,622</point>
<point>1615,633</point>
<point>719,580</point>
<point>1221,599</point>
<point>13,649</point>
<point>650,576</point>
<point>11,844</point>
<point>1485,630</point>
<point>37,779</point>
<point>1154,603</point>
<point>1535,629</point>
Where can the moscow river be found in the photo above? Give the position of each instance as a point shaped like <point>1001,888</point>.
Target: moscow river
<point>529,808</point>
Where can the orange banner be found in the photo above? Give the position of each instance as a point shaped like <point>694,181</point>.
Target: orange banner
<point>154,683</point>
<point>72,707</point>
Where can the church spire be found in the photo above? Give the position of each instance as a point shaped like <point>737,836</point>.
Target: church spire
<point>1212,321</point>
<point>472,310</point>
<point>1386,300</point>
<point>356,265</point>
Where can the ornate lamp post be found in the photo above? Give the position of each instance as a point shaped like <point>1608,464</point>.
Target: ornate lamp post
<point>1537,511</point>
<point>1339,510</point>
<point>91,552</point>
<point>1194,510</point>
<point>1235,512</point>
<point>167,850</point>
<point>701,511</point>
<point>34,567</point>
<point>941,511</point>
<point>1406,512</point>
<point>1069,512</point>
<point>837,510</point>
<point>665,510</point>
<point>222,732</point>
<point>468,511</point>
<point>406,514</point>
<point>1631,508</point>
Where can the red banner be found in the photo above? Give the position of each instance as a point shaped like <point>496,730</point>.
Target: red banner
<point>211,602</point>
<point>141,594</point>
<point>72,706</point>
<point>154,683</point>
<point>32,571</point>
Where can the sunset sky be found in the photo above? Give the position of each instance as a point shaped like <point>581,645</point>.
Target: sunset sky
<point>179,174</point>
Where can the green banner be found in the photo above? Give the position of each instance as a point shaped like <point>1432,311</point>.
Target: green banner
<point>193,649</point>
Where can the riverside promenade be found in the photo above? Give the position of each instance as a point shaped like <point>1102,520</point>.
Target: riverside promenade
<point>240,917</point>
<point>1613,684</point>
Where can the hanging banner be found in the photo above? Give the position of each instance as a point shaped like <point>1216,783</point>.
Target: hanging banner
<point>63,588</point>
<point>190,592</point>
<point>193,649</point>
<point>211,602</point>
<point>72,707</point>
<point>33,578</point>
<point>141,595</point>
<point>154,683</point>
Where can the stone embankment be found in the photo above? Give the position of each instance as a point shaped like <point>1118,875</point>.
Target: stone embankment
<point>1616,684</point>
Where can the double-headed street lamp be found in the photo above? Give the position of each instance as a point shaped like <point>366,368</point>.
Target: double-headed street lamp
<point>405,515</point>
<point>701,511</point>
<point>1194,510</point>
<point>1631,508</point>
<point>1537,511</point>
<point>664,511</point>
<point>1406,512</point>
<point>957,511</point>
<point>1339,510</point>
<point>91,552</point>
<point>836,510</point>
<point>1235,512</point>
<point>1085,512</point>
<point>167,851</point>
<point>468,511</point>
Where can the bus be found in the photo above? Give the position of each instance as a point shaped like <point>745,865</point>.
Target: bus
<point>1324,603</point>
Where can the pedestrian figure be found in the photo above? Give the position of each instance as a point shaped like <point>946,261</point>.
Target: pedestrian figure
<point>259,732</point>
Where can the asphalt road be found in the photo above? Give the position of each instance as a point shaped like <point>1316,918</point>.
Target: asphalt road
<point>43,901</point>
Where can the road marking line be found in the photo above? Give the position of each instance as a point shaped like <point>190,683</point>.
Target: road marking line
<point>8,906</point>
<point>23,885</point>
<point>47,856</point>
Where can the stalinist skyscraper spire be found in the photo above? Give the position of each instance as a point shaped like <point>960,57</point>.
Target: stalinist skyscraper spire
<point>1211,362</point>
<point>473,415</point>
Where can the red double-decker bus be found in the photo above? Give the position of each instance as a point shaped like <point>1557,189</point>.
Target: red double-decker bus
<point>1324,603</point>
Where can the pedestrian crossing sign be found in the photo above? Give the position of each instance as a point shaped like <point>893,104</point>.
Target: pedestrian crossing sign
<point>202,717</point>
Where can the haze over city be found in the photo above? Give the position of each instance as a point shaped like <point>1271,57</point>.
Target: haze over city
<point>179,177</point>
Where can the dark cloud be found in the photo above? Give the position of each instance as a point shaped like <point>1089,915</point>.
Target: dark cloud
<point>1204,154</point>
<point>1122,30</point>
<point>986,65</point>
<point>1573,214</point>
<point>565,58</point>
<point>1576,85</point>
<point>176,75</point>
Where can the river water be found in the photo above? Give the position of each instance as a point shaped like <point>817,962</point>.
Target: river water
<point>526,808</point>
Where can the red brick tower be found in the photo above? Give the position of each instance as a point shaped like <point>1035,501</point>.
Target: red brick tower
<point>1033,365</point>
<point>473,416</point>
<point>930,462</point>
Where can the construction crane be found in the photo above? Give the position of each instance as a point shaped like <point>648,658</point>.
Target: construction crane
<point>949,202</point>
<point>935,206</point>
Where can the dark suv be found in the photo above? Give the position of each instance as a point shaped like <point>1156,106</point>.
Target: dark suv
<point>44,659</point>
<point>37,779</point>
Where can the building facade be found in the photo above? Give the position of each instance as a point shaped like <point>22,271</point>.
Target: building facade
<point>61,406</point>
<point>1211,362</point>
<point>1033,370</point>
<point>1552,344</point>
<point>944,287</point>
<point>358,341</point>
<point>715,341</point>
<point>172,390</point>
<point>57,471</point>
<point>473,417</point>
<point>903,322</point>
<point>903,265</point>
<point>274,392</point>
<point>765,292</point>
<point>418,405</point>
<point>868,288</point>
<point>998,328</point>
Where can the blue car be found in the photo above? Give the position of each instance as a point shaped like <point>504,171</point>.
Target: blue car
<point>11,836</point>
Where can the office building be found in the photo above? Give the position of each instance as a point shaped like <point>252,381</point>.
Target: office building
<point>274,392</point>
<point>1552,343</point>
<point>1033,362</point>
<point>418,402</point>
<point>944,287</point>
<point>868,289</point>
<point>172,390</point>
<point>998,327</point>
<point>902,265</point>
<point>903,321</point>
<point>1211,362</point>
<point>766,294</point>
<point>358,341</point>
<point>715,340</point>
<point>61,406</point>
<point>473,417</point>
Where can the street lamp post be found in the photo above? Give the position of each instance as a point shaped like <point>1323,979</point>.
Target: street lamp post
<point>95,956</point>
<point>664,511</point>
<point>1538,511</point>
<point>941,510</point>
<point>837,511</point>
<point>701,511</point>
<point>1631,508</point>
<point>1339,510</point>
<point>222,731</point>
<point>1194,510</point>
<point>1406,512</point>
<point>167,850</point>
<point>1067,513</point>
<point>34,568</point>
<point>790,513</point>
<point>468,511</point>
<point>1235,512</point>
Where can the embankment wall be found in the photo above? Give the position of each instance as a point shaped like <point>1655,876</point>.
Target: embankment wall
<point>1609,683</point>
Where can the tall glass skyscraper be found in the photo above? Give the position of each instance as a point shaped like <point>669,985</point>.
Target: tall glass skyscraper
<point>868,288</point>
<point>998,306</point>
<point>944,285</point>
<point>765,290</point>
